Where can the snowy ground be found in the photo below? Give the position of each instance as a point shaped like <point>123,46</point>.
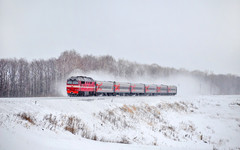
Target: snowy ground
<point>162,122</point>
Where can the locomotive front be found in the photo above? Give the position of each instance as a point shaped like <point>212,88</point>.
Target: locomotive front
<point>80,86</point>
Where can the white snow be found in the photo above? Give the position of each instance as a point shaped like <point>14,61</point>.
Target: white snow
<point>161,122</point>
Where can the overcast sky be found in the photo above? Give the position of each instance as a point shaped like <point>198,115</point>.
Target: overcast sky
<point>191,34</point>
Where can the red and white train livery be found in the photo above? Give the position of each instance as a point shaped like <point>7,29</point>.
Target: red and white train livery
<point>86,86</point>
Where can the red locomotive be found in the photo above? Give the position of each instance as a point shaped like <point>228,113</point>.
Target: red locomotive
<point>80,86</point>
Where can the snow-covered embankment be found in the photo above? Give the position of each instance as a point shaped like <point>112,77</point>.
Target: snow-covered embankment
<point>139,122</point>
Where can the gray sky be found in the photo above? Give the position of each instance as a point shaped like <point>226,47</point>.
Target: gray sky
<point>191,34</point>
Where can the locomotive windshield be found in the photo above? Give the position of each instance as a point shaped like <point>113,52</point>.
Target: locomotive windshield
<point>69,82</point>
<point>72,82</point>
<point>75,82</point>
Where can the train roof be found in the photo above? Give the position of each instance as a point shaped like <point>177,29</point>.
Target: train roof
<point>81,78</point>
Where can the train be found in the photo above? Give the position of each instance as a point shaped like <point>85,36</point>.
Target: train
<point>86,86</point>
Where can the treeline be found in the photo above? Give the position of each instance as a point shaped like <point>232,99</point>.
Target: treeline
<point>21,78</point>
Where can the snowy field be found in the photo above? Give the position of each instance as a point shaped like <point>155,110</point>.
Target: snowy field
<point>102,123</point>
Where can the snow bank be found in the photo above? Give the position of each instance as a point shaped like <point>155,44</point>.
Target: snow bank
<point>205,122</point>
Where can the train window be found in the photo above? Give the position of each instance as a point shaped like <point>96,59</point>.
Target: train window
<point>82,82</point>
<point>106,87</point>
<point>124,88</point>
<point>75,82</point>
<point>69,82</point>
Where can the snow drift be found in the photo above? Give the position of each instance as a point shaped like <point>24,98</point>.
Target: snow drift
<point>210,122</point>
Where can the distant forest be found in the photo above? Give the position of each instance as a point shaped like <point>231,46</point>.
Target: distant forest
<point>22,78</point>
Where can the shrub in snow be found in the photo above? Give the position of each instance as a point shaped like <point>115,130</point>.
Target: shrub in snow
<point>27,117</point>
<point>72,124</point>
